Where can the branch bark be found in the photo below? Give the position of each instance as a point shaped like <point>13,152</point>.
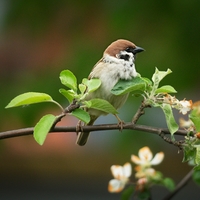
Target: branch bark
<point>129,126</point>
<point>139,113</point>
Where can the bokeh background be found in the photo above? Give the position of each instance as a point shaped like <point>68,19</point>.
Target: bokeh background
<point>39,39</point>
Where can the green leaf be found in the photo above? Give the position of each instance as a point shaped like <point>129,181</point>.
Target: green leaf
<point>69,94</point>
<point>171,123</point>
<point>126,86</point>
<point>43,127</point>
<point>68,79</point>
<point>195,117</point>
<point>196,177</point>
<point>169,184</point>
<point>197,157</point>
<point>189,153</point>
<point>92,84</point>
<point>82,88</point>
<point>81,115</point>
<point>29,98</point>
<point>157,178</point>
<point>127,193</point>
<point>165,89</point>
<point>101,104</point>
<point>196,142</point>
<point>159,75</point>
<point>148,81</point>
<point>148,84</point>
<point>196,168</point>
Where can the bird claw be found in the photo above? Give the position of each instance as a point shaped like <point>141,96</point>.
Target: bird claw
<point>120,123</point>
<point>79,127</point>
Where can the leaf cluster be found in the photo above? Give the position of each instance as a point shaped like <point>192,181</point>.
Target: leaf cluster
<point>150,91</point>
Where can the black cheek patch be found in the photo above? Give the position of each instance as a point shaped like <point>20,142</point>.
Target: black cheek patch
<point>125,57</point>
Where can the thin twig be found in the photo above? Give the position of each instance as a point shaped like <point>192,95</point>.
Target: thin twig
<point>58,118</point>
<point>139,112</point>
<point>180,185</point>
<point>74,105</point>
<point>179,143</point>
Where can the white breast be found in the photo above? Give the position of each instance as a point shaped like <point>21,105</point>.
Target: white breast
<point>109,71</point>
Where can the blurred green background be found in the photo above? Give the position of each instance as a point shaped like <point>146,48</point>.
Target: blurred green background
<point>38,39</point>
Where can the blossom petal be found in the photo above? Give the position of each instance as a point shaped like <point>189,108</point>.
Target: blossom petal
<point>145,154</point>
<point>150,172</point>
<point>127,170</point>
<point>186,123</point>
<point>117,171</point>
<point>136,160</point>
<point>186,106</point>
<point>121,172</point>
<point>157,159</point>
<point>115,185</point>
<point>184,110</point>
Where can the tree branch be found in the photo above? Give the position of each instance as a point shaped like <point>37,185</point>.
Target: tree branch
<point>129,126</point>
<point>180,185</point>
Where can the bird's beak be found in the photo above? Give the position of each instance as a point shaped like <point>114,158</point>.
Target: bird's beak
<point>137,50</point>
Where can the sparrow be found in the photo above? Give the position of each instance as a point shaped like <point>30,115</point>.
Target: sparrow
<point>118,62</point>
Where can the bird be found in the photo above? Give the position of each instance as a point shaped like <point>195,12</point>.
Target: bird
<point>118,62</point>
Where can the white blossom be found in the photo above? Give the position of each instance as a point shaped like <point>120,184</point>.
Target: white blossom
<point>121,177</point>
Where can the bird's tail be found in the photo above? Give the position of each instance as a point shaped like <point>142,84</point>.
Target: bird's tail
<point>82,138</point>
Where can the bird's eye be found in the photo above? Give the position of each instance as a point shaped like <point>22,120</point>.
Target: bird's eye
<point>129,49</point>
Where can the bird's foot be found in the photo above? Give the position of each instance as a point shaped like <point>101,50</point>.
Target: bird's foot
<point>120,123</point>
<point>79,127</point>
